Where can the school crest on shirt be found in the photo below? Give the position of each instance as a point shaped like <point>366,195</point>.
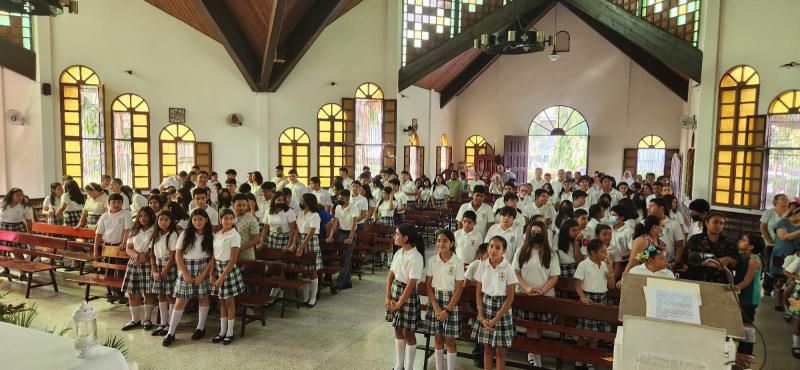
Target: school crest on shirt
<point>501,276</point>
<point>451,270</point>
<point>406,264</point>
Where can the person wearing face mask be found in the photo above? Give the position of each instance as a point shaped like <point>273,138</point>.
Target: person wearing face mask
<point>672,234</point>
<point>698,209</point>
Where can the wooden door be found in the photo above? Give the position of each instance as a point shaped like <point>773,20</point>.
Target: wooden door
<point>515,156</point>
<point>202,156</point>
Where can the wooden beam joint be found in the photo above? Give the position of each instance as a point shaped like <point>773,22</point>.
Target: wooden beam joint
<point>233,38</point>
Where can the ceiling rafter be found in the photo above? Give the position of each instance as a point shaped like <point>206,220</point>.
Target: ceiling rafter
<point>232,38</point>
<point>271,48</point>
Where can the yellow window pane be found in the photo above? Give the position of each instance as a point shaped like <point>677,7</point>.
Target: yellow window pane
<point>727,81</point>
<point>747,186</point>
<point>287,150</point>
<point>140,158</point>
<point>302,171</point>
<point>70,91</point>
<point>723,184</point>
<point>142,170</point>
<point>188,137</point>
<point>324,161</point>
<point>724,170</point>
<point>71,104</point>
<point>168,159</point>
<point>338,137</point>
<point>325,137</point>
<point>135,100</point>
<point>167,171</point>
<point>325,172</point>
<point>747,109</point>
<point>67,79</point>
<point>72,130</point>
<point>727,110</point>
<point>285,139</point>
<point>737,199</point>
<point>72,146</point>
<point>74,71</point>
<point>302,161</point>
<point>71,117</point>
<point>726,139</point>
<point>739,171</point>
<point>286,162</point>
<point>338,151</point>
<point>737,184</point>
<point>93,80</point>
<point>748,95</point>
<point>73,170</point>
<point>303,139</point>
<point>741,139</point>
<point>721,197</point>
<point>324,151</point>
<point>143,107</point>
<point>725,156</point>
<point>338,126</point>
<point>172,130</point>
<point>728,96</point>
<point>140,132</point>
<point>72,158</point>
<point>165,136</point>
<point>324,125</point>
<point>302,150</point>
<point>140,120</point>
<point>168,148</point>
<point>118,106</point>
<point>139,147</point>
<point>739,158</point>
<point>726,124</point>
<point>325,183</point>
<point>338,161</point>
<point>181,130</point>
<point>141,183</point>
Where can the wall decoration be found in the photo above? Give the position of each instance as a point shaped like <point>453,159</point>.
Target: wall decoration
<point>177,115</point>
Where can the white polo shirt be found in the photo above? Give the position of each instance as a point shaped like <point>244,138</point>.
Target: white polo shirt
<point>643,270</point>
<point>170,181</point>
<point>407,265</point>
<point>96,206</point>
<point>72,206</point>
<point>344,215</point>
<point>306,221</point>
<point>224,242</point>
<point>298,189</point>
<point>467,244</point>
<point>471,269</point>
<point>112,226</point>
<point>401,199</point>
<point>495,280</point>
<point>361,205</point>
<point>512,235</point>
<point>386,208</point>
<point>673,232</point>
<point>162,247</point>
<point>279,222</point>
<point>126,203</point>
<point>445,274</point>
<point>323,197</point>
<point>141,241</point>
<point>545,210</point>
<point>16,214</point>
<point>594,278</point>
<point>409,188</point>
<point>484,215</point>
<point>196,252</point>
<point>213,215</point>
<point>534,273</point>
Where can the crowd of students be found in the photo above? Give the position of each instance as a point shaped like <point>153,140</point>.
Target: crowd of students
<point>184,238</point>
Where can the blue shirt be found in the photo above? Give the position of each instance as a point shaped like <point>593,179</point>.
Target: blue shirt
<point>783,247</point>
<point>324,218</point>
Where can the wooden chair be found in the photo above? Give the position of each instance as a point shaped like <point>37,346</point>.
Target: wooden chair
<point>107,277</point>
<point>253,272</point>
<point>25,267</point>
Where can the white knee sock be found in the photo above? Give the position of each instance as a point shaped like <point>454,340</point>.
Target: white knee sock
<point>314,288</point>
<point>223,326</point>
<point>202,314</point>
<point>148,312</point>
<point>399,353</point>
<point>439,354</point>
<point>451,360</point>
<point>163,312</point>
<point>796,341</point>
<point>231,324</point>
<point>305,293</point>
<point>135,314</point>
<point>174,320</point>
<point>411,350</point>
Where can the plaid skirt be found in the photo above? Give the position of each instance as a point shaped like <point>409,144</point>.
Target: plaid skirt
<point>438,203</point>
<point>388,221</point>
<point>232,285</point>
<point>166,285</point>
<point>313,246</point>
<point>187,290</point>
<point>568,269</point>
<point>137,278</point>
<point>72,218</point>
<point>503,333</point>
<point>411,204</point>
<point>52,220</point>
<point>91,220</point>
<point>408,316</point>
<point>277,240</point>
<point>449,328</point>
<point>595,325</point>
<point>16,227</point>
<point>535,316</point>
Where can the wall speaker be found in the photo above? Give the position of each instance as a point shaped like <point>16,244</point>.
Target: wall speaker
<point>47,89</point>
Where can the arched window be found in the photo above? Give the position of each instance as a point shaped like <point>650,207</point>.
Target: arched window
<point>414,156</point>
<point>651,156</point>
<point>444,154</point>
<point>82,125</point>
<point>293,148</point>
<point>177,145</point>
<point>558,138</point>
<point>131,122</point>
<point>783,148</point>
<point>476,145</point>
<point>330,142</point>
<point>370,125</point>
<point>739,157</point>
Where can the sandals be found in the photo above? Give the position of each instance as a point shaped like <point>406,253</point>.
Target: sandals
<point>131,325</point>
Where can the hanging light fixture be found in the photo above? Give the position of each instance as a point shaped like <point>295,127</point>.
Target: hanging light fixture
<point>516,40</point>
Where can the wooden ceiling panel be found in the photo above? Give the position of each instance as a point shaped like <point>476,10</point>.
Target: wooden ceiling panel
<point>189,13</point>
<point>442,76</point>
<point>253,17</point>
<point>295,10</point>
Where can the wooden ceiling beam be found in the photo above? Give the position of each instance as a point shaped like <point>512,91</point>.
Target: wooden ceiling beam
<point>483,61</point>
<point>318,16</point>
<point>430,61</point>
<point>271,48</point>
<point>233,39</point>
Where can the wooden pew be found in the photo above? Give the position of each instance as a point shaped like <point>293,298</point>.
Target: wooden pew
<point>107,278</point>
<point>333,255</point>
<point>382,244</point>
<point>253,273</point>
<point>79,242</point>
<point>280,281</point>
<point>361,250</point>
<point>25,267</point>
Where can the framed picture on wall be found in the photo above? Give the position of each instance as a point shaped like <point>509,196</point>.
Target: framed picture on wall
<point>177,115</point>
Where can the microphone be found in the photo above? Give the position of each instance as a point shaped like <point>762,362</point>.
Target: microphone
<point>698,259</point>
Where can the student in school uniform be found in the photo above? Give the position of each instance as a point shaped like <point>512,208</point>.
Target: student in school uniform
<point>95,206</point>
<point>440,192</point>
<point>16,215</point>
<point>343,229</point>
<point>408,187</point>
<point>211,194</point>
<point>384,212</point>
<point>308,224</point>
<point>226,279</point>
<point>425,193</point>
<point>653,263</point>
<point>402,299</point>
<point>263,200</point>
<point>495,282</point>
<point>247,226</point>
<point>116,188</point>
<point>52,203</point>
<point>347,181</point>
<point>541,206</point>
<point>200,198</point>
<point>298,188</point>
<point>112,229</point>
<point>323,196</point>
<point>400,199</point>
<point>483,212</point>
<point>568,245</point>
<point>467,238</point>
<point>164,272</point>
<point>537,269</point>
<point>360,204</point>
<point>592,280</point>
<point>500,201</point>
<point>72,202</point>
<point>511,233</point>
<point>195,250</point>
<point>511,200</point>
<point>279,224</point>
<point>444,282</point>
<point>138,279</point>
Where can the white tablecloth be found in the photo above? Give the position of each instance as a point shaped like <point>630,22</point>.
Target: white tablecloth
<point>30,349</point>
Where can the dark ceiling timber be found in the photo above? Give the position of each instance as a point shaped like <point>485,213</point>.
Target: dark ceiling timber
<point>233,38</point>
<point>18,59</point>
<point>302,37</point>
<point>483,61</point>
<point>429,62</point>
<point>271,48</point>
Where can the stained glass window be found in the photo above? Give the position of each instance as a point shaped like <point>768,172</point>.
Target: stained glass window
<point>293,151</point>
<point>177,144</point>
<point>651,155</point>
<point>558,138</point>
<point>739,158</point>
<point>444,154</point>
<point>414,160</point>
<point>83,127</point>
<point>783,147</point>
<point>679,17</point>
<point>131,124</point>
<point>369,127</point>
<point>16,28</point>
<point>476,145</point>
<point>330,140</point>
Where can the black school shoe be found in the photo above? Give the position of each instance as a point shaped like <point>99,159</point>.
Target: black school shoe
<point>131,325</point>
<point>217,338</point>
<point>227,340</point>
<point>198,334</point>
<point>147,325</point>
<point>168,340</point>
<point>160,330</point>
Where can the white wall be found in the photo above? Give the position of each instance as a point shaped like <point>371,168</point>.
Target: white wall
<point>21,153</point>
<point>433,121</point>
<point>620,101</point>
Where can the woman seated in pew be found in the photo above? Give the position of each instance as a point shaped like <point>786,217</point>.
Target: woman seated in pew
<point>537,269</point>
<point>138,278</point>
<point>444,282</point>
<point>593,279</point>
<point>52,203</point>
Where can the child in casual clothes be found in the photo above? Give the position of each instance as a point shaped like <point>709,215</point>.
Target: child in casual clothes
<point>402,301</point>
<point>592,280</point>
<point>467,238</point>
<point>194,251</point>
<point>791,284</point>
<point>445,282</point>
<point>164,273</point>
<point>747,278</point>
<point>225,276</point>
<point>792,272</point>
<point>137,275</point>
<point>495,281</point>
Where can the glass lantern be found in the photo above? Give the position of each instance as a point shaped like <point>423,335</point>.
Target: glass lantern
<point>85,319</point>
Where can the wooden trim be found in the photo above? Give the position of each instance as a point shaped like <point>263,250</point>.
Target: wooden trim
<point>449,160</point>
<point>131,111</point>
<point>294,145</point>
<point>199,148</point>
<point>271,48</point>
<point>232,37</point>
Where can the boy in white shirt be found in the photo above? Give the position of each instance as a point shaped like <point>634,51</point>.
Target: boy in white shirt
<point>298,188</point>
<point>511,200</point>
<point>500,202</point>
<point>200,200</point>
<point>467,238</point>
<point>323,196</point>
<point>541,206</point>
<point>400,198</point>
<point>510,232</point>
<point>112,229</point>
<point>483,212</point>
